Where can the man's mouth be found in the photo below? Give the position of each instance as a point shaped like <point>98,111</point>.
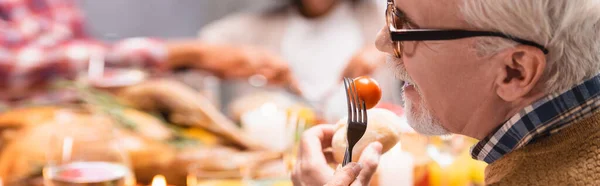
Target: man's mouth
<point>407,84</point>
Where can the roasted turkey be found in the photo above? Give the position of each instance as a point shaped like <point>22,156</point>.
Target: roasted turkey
<point>151,144</point>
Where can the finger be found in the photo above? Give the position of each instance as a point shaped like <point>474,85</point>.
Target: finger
<point>352,73</point>
<point>346,175</point>
<point>312,161</point>
<point>269,74</point>
<point>296,176</point>
<point>316,139</point>
<point>345,73</point>
<point>285,77</point>
<point>369,159</point>
<point>294,86</point>
<point>239,73</point>
<point>273,68</point>
<point>250,58</point>
<point>280,74</point>
<point>269,66</point>
<point>329,156</point>
<point>359,71</point>
<point>242,64</point>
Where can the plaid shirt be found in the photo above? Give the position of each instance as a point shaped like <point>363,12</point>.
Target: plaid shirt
<point>41,40</point>
<point>543,118</point>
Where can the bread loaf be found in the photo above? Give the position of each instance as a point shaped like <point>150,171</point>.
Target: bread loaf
<point>383,126</point>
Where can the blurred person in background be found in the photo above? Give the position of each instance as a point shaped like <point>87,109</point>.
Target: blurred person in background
<point>322,40</point>
<point>520,76</point>
<point>43,40</point>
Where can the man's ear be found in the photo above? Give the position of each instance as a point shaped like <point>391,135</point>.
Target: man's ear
<point>519,72</point>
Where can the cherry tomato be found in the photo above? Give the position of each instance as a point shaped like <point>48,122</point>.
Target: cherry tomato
<point>368,90</point>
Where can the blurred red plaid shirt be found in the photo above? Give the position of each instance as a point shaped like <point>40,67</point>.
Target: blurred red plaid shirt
<point>43,40</point>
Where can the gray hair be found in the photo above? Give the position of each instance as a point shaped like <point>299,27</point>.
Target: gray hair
<point>568,28</point>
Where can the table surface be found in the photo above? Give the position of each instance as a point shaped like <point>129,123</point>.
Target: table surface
<point>235,182</point>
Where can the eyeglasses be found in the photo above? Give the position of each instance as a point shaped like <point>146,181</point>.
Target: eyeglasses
<point>397,23</point>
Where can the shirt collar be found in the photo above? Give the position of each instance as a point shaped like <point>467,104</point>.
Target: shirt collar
<point>542,118</point>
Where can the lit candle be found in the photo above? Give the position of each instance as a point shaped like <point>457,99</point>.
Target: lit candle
<point>190,180</point>
<point>159,180</point>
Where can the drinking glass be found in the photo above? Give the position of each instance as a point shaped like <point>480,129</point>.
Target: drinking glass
<point>85,151</point>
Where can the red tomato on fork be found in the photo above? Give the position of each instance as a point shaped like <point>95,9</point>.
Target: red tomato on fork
<point>368,90</point>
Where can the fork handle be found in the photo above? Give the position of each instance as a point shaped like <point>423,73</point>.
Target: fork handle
<point>347,156</point>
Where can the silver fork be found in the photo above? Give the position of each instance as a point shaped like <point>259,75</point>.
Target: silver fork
<point>357,118</point>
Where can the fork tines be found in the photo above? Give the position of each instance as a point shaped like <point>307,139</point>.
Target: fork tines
<point>357,118</point>
<point>356,107</point>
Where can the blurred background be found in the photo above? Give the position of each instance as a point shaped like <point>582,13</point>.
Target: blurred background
<point>118,19</point>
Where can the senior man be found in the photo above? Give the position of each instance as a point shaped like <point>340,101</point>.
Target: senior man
<point>520,76</point>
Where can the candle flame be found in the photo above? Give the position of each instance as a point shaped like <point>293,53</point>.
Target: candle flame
<point>191,180</point>
<point>159,180</point>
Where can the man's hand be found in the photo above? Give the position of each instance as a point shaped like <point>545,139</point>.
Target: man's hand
<point>364,62</point>
<point>359,174</point>
<point>312,167</point>
<point>231,62</point>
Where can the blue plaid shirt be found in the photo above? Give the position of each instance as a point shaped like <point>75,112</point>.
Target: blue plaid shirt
<point>545,117</point>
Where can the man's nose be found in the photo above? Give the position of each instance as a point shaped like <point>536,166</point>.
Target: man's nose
<point>384,42</point>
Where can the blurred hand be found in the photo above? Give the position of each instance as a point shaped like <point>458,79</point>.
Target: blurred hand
<point>231,62</point>
<point>364,62</point>
<point>312,166</point>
